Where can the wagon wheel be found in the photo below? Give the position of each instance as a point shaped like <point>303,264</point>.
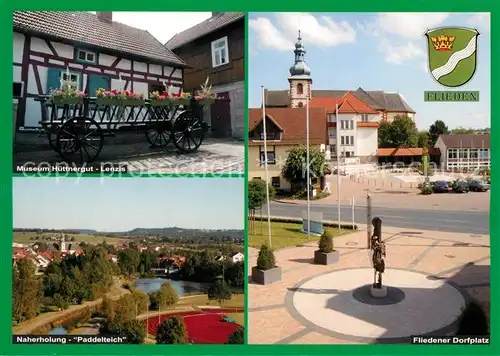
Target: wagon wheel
<point>80,139</point>
<point>160,134</point>
<point>52,137</point>
<point>188,132</point>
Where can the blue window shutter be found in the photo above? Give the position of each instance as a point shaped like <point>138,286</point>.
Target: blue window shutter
<point>53,79</point>
<point>96,82</point>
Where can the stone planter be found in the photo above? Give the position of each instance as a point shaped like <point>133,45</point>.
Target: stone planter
<point>378,292</point>
<point>322,258</point>
<point>266,277</point>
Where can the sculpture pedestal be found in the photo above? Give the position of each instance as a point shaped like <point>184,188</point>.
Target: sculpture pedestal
<point>378,292</point>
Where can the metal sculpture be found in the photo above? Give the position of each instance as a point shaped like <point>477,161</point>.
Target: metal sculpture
<point>378,248</point>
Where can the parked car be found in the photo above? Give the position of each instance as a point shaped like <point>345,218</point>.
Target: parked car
<point>460,186</point>
<point>442,186</point>
<point>478,186</point>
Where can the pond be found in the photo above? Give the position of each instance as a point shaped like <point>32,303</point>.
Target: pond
<point>183,288</point>
<point>58,331</point>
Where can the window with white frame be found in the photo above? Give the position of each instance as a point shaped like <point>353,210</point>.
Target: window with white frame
<point>351,124</point>
<point>347,140</point>
<point>484,153</point>
<point>220,52</point>
<point>70,78</point>
<point>364,117</point>
<point>85,56</point>
<point>452,153</point>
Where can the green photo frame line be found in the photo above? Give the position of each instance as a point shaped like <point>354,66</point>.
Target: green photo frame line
<point>6,345</point>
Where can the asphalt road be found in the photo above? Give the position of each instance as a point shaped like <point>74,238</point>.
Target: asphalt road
<point>437,220</point>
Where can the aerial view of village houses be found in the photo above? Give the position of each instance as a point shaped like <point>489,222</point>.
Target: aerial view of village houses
<point>121,89</point>
<point>369,177</point>
<point>146,266</point>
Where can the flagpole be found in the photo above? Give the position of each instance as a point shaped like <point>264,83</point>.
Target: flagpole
<point>307,172</point>
<point>337,126</point>
<point>265,167</point>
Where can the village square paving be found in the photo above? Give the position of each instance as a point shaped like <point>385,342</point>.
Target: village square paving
<point>213,157</point>
<point>432,275</point>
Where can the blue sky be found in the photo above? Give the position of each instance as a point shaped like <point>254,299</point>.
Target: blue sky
<point>385,51</point>
<point>124,204</point>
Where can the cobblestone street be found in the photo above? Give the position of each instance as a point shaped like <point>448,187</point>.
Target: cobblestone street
<point>215,156</point>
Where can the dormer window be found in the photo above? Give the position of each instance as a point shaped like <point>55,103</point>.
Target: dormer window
<point>85,56</point>
<point>220,52</point>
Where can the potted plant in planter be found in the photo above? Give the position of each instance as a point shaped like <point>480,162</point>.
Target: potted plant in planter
<point>67,95</point>
<point>326,254</point>
<point>182,98</point>
<point>115,97</point>
<point>206,96</point>
<point>266,271</point>
<point>159,99</point>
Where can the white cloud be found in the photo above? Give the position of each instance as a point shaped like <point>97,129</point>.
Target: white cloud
<point>401,34</point>
<point>398,53</point>
<point>410,25</point>
<point>268,36</point>
<point>480,21</point>
<point>315,31</point>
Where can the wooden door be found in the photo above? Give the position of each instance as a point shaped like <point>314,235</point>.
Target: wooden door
<point>220,117</point>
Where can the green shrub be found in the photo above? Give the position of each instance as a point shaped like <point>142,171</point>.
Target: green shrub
<point>326,242</point>
<point>426,190</point>
<point>266,259</point>
<point>473,321</point>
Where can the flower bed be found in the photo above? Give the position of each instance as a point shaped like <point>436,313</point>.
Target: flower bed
<point>68,95</point>
<point>202,327</point>
<point>115,97</point>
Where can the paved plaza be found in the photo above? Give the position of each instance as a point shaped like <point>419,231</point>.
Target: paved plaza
<point>213,157</point>
<point>430,276</point>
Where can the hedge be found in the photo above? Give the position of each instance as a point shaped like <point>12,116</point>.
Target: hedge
<point>332,224</point>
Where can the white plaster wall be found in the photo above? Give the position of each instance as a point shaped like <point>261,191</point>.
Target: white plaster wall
<point>18,47</point>
<point>39,45</point>
<point>155,69</point>
<point>64,50</point>
<point>366,141</point>
<point>106,60</point>
<point>31,85</point>
<point>124,64</point>
<point>17,74</point>
<point>141,88</point>
<point>140,67</point>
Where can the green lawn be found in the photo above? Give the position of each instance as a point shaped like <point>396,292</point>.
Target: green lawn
<point>29,237</point>
<point>284,234</point>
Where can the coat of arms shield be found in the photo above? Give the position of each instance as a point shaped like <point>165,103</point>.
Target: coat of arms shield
<point>452,54</point>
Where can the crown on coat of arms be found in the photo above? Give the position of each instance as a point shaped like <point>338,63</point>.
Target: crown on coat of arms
<point>443,42</point>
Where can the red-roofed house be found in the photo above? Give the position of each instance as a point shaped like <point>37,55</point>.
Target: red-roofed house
<point>286,129</point>
<point>358,131</point>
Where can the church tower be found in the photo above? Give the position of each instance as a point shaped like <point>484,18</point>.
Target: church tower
<point>62,242</point>
<point>300,80</point>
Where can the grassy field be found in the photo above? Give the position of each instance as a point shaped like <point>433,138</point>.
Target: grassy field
<point>284,234</point>
<point>31,237</point>
<point>238,300</point>
<point>239,318</point>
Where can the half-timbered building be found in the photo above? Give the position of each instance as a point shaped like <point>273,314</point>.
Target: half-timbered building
<point>91,50</point>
